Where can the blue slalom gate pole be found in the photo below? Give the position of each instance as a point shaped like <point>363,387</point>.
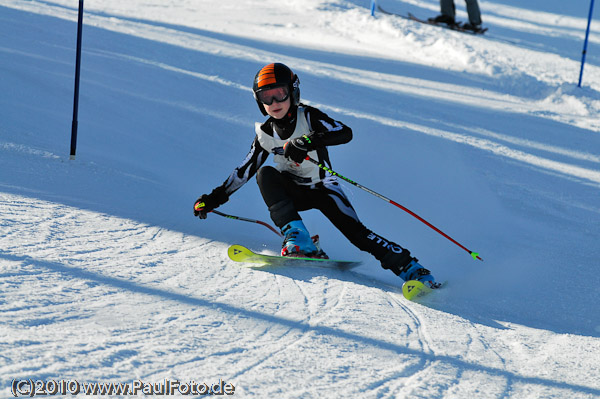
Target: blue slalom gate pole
<point>585,42</point>
<point>373,7</point>
<point>77,73</point>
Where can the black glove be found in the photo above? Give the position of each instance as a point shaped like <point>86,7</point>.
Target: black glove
<point>297,148</point>
<point>208,202</point>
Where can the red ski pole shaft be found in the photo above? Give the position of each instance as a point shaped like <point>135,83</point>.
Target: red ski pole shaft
<point>248,220</point>
<point>474,255</point>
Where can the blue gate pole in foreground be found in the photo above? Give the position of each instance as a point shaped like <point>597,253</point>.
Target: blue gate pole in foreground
<point>77,73</point>
<point>373,7</point>
<point>585,42</point>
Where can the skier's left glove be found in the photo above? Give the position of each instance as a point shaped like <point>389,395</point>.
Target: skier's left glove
<point>207,202</point>
<point>296,149</point>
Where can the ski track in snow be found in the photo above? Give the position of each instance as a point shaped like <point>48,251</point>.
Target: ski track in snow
<point>117,282</point>
<point>106,262</point>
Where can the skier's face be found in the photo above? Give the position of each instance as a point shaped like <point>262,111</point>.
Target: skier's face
<point>278,110</point>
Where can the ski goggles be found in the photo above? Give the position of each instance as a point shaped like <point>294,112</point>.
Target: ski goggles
<point>278,94</point>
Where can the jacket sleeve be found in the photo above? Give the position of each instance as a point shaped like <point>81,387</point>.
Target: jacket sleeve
<point>326,131</point>
<point>247,169</point>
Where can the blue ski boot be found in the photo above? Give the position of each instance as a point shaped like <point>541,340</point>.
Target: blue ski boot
<point>320,253</point>
<point>297,241</point>
<point>414,271</point>
<point>407,268</point>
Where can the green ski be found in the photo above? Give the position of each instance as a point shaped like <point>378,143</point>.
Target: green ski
<point>239,253</point>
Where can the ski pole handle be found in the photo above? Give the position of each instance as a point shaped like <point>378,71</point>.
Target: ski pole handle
<point>474,255</point>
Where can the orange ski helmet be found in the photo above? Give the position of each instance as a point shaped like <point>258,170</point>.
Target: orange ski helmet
<point>276,75</point>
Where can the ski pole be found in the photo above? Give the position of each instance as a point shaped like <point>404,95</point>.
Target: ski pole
<point>247,220</point>
<point>475,255</point>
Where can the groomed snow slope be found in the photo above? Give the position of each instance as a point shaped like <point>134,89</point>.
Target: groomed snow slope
<point>105,275</point>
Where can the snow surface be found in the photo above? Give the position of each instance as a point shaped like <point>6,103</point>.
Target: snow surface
<point>105,275</point>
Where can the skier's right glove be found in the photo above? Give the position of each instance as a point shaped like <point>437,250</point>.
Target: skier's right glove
<point>207,202</point>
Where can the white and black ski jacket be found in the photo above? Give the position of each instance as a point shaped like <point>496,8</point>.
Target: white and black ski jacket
<point>273,134</point>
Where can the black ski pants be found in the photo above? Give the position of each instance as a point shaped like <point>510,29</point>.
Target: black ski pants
<point>285,199</point>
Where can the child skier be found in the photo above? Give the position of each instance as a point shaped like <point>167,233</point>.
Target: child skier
<point>292,132</point>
